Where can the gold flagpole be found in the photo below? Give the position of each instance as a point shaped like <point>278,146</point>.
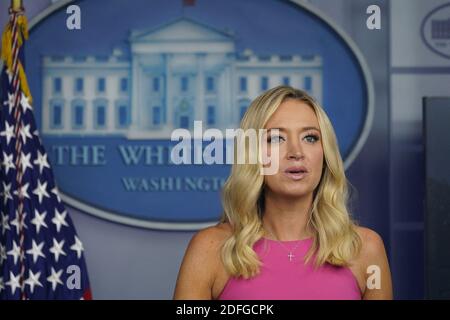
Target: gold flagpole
<point>7,38</point>
<point>16,5</point>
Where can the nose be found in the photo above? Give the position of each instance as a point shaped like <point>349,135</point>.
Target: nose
<point>295,150</point>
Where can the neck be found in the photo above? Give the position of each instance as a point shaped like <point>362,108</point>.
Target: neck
<point>287,218</point>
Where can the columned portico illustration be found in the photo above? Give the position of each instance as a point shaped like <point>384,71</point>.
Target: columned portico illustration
<point>173,75</point>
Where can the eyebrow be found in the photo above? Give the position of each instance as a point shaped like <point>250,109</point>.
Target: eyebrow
<point>302,129</point>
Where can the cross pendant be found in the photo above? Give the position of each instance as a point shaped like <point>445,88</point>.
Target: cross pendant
<point>290,255</point>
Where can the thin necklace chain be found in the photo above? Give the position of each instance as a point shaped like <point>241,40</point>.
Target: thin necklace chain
<point>290,255</point>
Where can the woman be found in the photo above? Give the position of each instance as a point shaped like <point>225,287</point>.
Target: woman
<point>286,235</point>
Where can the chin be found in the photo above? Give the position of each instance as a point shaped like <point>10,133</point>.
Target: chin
<point>294,192</point>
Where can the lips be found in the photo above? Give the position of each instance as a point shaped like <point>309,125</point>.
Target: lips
<point>296,172</point>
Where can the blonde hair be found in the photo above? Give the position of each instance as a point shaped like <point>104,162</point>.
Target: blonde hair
<point>335,239</point>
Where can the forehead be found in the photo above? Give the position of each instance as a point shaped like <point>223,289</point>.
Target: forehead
<point>293,113</point>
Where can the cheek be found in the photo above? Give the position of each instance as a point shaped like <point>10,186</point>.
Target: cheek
<point>318,161</point>
<point>316,154</point>
<point>271,158</point>
<point>272,150</point>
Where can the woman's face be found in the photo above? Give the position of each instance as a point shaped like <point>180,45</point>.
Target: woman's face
<point>298,146</point>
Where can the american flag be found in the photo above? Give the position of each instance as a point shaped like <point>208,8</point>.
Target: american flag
<point>41,256</point>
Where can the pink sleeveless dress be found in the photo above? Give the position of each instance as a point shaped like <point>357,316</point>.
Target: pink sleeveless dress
<point>281,279</point>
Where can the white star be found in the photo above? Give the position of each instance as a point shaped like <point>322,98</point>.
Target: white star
<point>55,191</point>
<point>25,161</point>
<point>3,255</point>
<point>25,133</point>
<point>55,278</point>
<point>13,282</point>
<point>9,102</point>
<point>41,161</point>
<point>39,220</point>
<point>15,252</point>
<point>33,280</point>
<point>5,223</point>
<point>24,101</point>
<point>6,192</point>
<point>59,219</point>
<point>78,247</point>
<point>36,250</point>
<point>23,191</point>
<point>8,162</point>
<point>16,221</point>
<point>41,191</point>
<point>9,132</point>
<point>57,249</point>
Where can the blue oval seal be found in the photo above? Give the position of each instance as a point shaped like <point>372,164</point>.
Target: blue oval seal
<point>108,96</point>
<point>435,30</point>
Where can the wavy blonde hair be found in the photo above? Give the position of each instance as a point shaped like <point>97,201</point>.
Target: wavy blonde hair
<point>335,239</point>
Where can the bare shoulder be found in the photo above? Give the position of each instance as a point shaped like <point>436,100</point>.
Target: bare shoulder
<point>372,248</point>
<point>213,235</point>
<point>201,262</point>
<point>372,243</point>
<point>210,239</point>
<point>374,266</point>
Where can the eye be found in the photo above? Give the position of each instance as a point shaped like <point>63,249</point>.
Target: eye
<point>275,139</point>
<point>311,138</point>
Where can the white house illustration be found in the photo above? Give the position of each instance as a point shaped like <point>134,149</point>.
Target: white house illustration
<point>177,73</point>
